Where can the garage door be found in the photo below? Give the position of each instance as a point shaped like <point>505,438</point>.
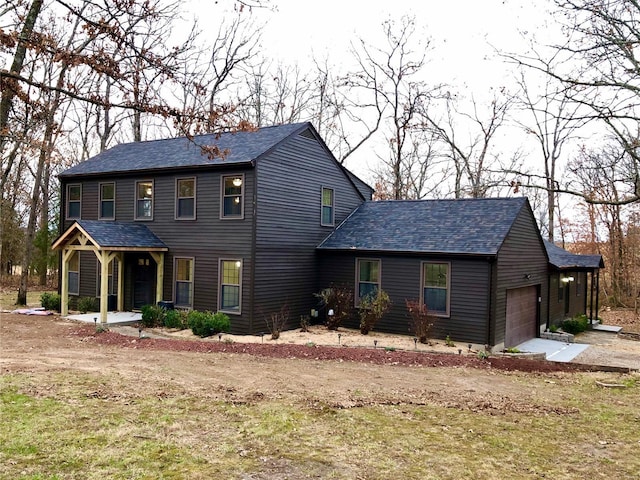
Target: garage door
<point>522,311</point>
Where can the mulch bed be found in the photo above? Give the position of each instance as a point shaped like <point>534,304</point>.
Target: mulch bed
<point>376,356</point>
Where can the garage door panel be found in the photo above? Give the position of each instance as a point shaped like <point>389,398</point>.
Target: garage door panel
<point>522,312</point>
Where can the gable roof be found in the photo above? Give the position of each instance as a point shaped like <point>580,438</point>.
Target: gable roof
<point>114,235</point>
<point>244,147</point>
<point>461,226</point>
<point>565,260</point>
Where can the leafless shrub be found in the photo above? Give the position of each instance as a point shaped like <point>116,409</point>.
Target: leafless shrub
<point>421,320</point>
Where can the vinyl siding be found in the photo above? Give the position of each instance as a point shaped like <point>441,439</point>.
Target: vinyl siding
<point>401,279</point>
<point>288,224</point>
<point>522,254</point>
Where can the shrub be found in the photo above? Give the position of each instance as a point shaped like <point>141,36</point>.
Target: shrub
<point>340,300</point>
<point>421,321</point>
<point>175,319</point>
<point>88,304</point>
<point>575,325</point>
<point>372,309</point>
<point>152,316</point>
<point>50,301</point>
<point>277,321</point>
<point>205,324</point>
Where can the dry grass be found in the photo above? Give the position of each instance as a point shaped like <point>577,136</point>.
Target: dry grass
<point>94,426</point>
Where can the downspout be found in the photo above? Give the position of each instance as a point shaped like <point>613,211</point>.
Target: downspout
<point>254,226</point>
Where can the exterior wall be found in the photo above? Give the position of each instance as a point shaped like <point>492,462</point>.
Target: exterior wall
<point>522,262</point>
<point>206,239</point>
<point>401,279</point>
<point>288,224</point>
<point>573,300</point>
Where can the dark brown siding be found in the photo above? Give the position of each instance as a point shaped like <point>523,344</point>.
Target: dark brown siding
<point>522,262</point>
<point>288,229</point>
<point>577,299</point>
<point>401,279</point>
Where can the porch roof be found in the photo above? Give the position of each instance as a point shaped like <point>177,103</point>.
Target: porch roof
<point>565,260</point>
<point>113,236</point>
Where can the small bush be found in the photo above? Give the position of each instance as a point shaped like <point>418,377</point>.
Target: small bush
<point>305,321</point>
<point>372,309</point>
<point>205,324</point>
<point>277,321</point>
<point>339,299</point>
<point>575,325</point>
<point>50,301</point>
<point>421,320</point>
<point>152,316</point>
<point>175,319</point>
<point>88,304</point>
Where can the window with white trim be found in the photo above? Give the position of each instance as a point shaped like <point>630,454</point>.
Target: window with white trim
<point>144,200</point>
<point>186,198</point>
<point>111,287</point>
<point>327,219</point>
<point>73,274</point>
<point>232,202</point>
<point>183,272</point>
<point>368,278</point>
<point>74,201</point>
<point>230,286</point>
<point>107,201</point>
<point>436,287</point>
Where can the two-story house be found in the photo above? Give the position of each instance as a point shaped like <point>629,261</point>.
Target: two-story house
<point>160,220</point>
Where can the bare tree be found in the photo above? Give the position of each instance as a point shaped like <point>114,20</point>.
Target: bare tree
<point>553,121</point>
<point>469,139</point>
<point>599,67</point>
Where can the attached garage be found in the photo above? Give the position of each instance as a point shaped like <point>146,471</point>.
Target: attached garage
<point>522,314</point>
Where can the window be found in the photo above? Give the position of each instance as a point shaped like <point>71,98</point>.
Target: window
<point>561,286</point>
<point>144,200</point>
<point>232,197</point>
<point>327,207</point>
<point>74,274</point>
<point>74,195</point>
<point>107,201</point>
<point>186,199</point>
<point>183,272</point>
<point>435,288</point>
<point>230,275</point>
<point>368,278</point>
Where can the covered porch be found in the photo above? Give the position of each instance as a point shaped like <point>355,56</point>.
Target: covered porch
<point>108,241</point>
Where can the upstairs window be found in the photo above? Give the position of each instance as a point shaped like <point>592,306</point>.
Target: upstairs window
<point>107,201</point>
<point>327,207</point>
<point>184,282</point>
<point>186,198</point>
<point>368,276</point>
<point>144,200</point>
<point>232,197</point>
<point>435,288</point>
<point>74,196</point>
<point>230,285</point>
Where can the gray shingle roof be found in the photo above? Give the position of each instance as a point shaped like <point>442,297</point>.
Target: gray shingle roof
<point>121,235</point>
<point>462,226</point>
<point>243,147</point>
<point>562,259</point>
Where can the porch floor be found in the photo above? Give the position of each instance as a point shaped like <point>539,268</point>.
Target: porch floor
<point>112,317</point>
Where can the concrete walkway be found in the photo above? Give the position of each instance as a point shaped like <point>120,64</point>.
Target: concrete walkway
<point>554,351</point>
<point>112,317</point>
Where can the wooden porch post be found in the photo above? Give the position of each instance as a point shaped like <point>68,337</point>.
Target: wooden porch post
<point>159,259</point>
<point>104,286</point>
<point>64,303</point>
<point>120,257</point>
